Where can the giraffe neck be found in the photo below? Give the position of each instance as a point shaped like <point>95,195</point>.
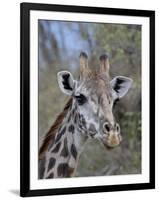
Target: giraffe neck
<point>62,155</point>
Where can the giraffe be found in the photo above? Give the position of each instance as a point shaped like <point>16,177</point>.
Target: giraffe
<point>87,114</point>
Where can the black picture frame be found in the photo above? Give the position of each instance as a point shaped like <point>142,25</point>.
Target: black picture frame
<point>25,9</point>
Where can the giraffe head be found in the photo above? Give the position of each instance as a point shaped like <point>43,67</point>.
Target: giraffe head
<point>93,98</point>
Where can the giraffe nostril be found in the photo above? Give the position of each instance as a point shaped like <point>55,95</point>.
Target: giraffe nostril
<point>107,127</point>
<point>118,128</point>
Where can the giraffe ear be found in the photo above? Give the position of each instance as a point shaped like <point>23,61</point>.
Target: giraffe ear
<point>121,85</point>
<point>66,82</point>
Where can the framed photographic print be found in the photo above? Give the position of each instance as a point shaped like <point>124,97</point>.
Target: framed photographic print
<point>87,99</point>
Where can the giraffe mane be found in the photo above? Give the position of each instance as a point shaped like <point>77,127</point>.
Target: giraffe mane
<point>52,131</point>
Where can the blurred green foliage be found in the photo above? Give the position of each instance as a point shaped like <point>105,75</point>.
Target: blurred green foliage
<point>59,46</point>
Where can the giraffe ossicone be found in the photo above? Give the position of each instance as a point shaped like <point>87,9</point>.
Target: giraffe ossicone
<point>87,114</point>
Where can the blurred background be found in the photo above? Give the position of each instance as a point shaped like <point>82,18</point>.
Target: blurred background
<point>60,44</point>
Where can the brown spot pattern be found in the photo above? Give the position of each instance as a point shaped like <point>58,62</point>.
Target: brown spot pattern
<point>64,151</point>
<point>51,163</point>
<point>62,170</point>
<point>69,118</point>
<point>75,119</point>
<point>60,134</point>
<point>73,151</point>
<point>71,128</point>
<point>56,149</point>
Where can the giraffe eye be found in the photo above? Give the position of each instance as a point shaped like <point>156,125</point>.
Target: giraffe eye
<point>81,99</point>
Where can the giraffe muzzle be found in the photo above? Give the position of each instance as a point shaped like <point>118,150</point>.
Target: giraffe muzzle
<point>111,136</point>
<point>112,140</point>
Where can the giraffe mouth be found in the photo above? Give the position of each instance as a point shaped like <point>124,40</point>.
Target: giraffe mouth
<point>110,147</point>
<point>112,141</point>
